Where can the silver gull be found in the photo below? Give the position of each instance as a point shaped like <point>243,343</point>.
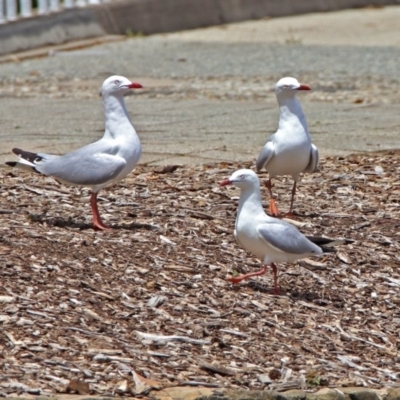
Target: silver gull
<point>98,164</point>
<point>289,151</point>
<point>269,239</point>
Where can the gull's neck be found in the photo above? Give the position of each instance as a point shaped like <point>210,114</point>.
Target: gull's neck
<point>290,111</point>
<point>250,201</point>
<point>116,116</point>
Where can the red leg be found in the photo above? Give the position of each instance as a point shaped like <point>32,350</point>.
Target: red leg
<point>273,208</point>
<point>292,199</point>
<point>290,213</point>
<point>262,271</point>
<point>275,272</point>
<point>237,279</point>
<point>97,222</point>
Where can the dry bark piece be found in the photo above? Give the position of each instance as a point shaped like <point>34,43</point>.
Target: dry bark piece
<point>144,385</point>
<point>171,338</point>
<point>78,386</point>
<point>110,352</point>
<point>197,383</point>
<point>6,299</point>
<point>122,387</point>
<point>180,268</point>
<point>91,314</point>
<point>156,301</point>
<point>167,169</point>
<point>219,369</point>
<point>274,374</point>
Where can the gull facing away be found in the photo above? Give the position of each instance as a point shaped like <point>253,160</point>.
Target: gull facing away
<point>289,150</point>
<point>269,239</point>
<point>98,164</point>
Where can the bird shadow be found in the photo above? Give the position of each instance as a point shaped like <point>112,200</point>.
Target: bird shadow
<point>70,223</point>
<point>58,222</point>
<point>258,287</point>
<point>309,296</point>
<point>135,226</point>
<point>320,299</point>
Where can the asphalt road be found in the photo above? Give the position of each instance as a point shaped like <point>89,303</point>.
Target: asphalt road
<point>208,93</point>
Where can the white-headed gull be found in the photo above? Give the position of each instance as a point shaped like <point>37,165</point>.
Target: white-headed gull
<point>100,163</point>
<point>289,151</point>
<point>269,239</point>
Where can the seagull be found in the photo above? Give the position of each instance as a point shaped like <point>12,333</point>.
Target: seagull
<point>98,164</point>
<point>289,150</point>
<point>270,239</point>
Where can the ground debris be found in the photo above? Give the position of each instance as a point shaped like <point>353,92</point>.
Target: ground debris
<point>147,305</point>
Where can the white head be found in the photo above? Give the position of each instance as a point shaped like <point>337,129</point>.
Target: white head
<point>289,86</point>
<point>118,85</point>
<point>242,178</point>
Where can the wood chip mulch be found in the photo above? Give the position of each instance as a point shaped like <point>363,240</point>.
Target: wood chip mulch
<point>146,305</point>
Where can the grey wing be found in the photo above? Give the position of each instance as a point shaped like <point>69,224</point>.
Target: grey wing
<point>93,164</point>
<point>286,238</point>
<point>314,160</point>
<point>267,152</point>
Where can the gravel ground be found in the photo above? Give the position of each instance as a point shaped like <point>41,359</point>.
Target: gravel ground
<point>77,304</point>
<point>239,61</point>
<point>233,70</point>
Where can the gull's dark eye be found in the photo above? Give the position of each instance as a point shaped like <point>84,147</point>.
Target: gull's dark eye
<point>117,82</point>
<point>286,86</point>
<point>242,176</point>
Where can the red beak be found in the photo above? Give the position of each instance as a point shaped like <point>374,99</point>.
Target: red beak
<point>304,87</point>
<point>225,182</point>
<point>135,85</point>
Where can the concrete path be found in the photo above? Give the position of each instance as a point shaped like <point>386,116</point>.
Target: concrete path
<point>357,27</point>
<point>208,92</point>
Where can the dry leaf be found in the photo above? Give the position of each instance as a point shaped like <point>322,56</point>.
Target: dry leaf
<point>78,386</point>
<point>144,385</point>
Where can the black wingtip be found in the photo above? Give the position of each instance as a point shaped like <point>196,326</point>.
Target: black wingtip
<point>321,241</point>
<point>328,249</point>
<point>16,151</point>
<point>11,163</point>
<point>27,155</point>
<point>328,245</point>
